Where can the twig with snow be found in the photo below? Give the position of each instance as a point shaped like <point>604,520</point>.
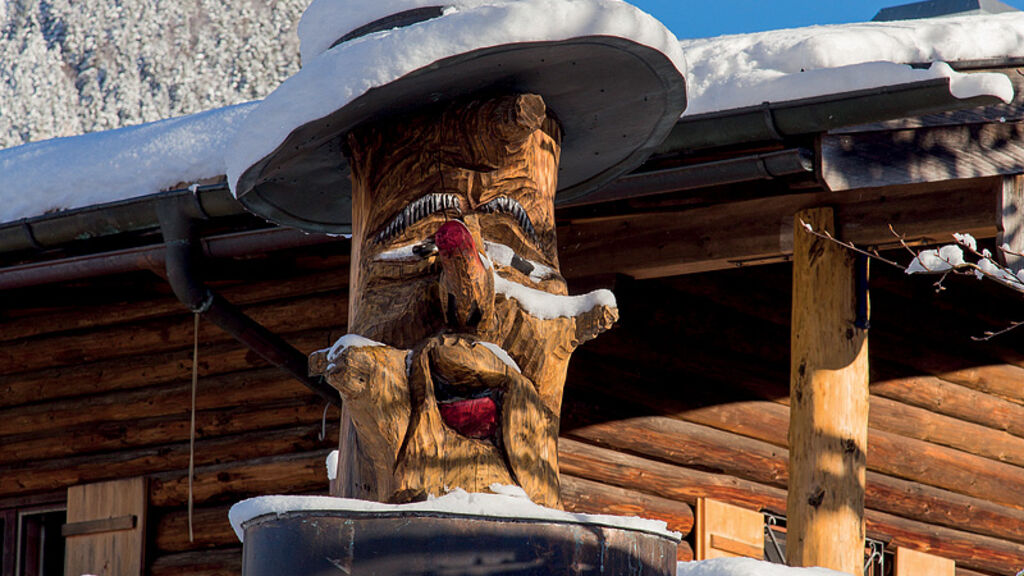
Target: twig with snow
<point>873,254</point>
<point>946,260</point>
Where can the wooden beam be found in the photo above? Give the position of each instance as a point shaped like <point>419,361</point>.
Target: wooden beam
<point>759,231</point>
<point>127,522</point>
<point>828,427</point>
<point>897,157</point>
<point>222,562</point>
<point>1011,222</point>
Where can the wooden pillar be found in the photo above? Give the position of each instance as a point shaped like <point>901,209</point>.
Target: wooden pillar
<point>1010,222</point>
<point>829,404</point>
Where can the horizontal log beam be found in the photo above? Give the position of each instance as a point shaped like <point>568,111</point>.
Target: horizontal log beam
<point>971,550</point>
<point>164,334</point>
<point>220,562</point>
<point>590,497</point>
<point>64,315</point>
<point>303,472</point>
<point>52,475</point>
<point>932,154</point>
<point>660,479</point>
<point>959,402</point>
<point>720,447</point>
<point>111,413</point>
<point>760,231</point>
<point>210,528</point>
<point>119,374</point>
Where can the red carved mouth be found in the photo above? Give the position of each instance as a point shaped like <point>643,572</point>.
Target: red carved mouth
<point>475,417</point>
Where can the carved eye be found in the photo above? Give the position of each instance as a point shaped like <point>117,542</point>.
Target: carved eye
<point>506,205</point>
<point>418,210</point>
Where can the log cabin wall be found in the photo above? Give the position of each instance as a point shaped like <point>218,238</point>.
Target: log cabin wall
<point>686,398</point>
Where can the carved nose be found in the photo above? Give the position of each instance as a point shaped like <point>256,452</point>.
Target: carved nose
<point>466,283</point>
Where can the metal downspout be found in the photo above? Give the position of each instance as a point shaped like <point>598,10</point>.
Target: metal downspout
<point>177,216</point>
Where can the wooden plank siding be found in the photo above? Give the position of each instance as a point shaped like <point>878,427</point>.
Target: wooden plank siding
<point>686,398</point>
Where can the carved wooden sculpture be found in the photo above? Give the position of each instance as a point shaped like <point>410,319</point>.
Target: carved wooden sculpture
<point>465,327</point>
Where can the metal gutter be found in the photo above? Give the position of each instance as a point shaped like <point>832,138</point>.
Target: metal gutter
<point>776,121</point>
<point>183,256</point>
<point>721,172</point>
<point>154,257</point>
<point>136,214</point>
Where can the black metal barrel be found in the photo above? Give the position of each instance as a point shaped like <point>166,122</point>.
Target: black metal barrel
<point>322,543</point>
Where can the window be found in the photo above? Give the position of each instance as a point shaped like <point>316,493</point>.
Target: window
<point>31,543</point>
<point>40,544</point>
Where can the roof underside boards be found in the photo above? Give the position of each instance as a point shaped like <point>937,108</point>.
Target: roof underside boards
<point>954,145</point>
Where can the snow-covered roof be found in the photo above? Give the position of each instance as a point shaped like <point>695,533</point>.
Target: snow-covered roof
<point>748,69</point>
<point>724,73</point>
<point>78,171</point>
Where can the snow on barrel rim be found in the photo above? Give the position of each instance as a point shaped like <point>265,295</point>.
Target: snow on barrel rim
<point>507,502</point>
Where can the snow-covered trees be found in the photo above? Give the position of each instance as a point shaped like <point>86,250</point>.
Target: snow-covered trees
<point>68,67</point>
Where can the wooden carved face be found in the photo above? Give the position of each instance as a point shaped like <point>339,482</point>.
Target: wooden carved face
<point>456,293</point>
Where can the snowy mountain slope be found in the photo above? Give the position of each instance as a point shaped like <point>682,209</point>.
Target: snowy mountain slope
<point>69,67</point>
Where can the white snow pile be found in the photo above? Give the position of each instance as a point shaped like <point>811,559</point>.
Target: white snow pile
<point>332,465</point>
<point>507,502</point>
<point>547,306</point>
<point>951,258</point>
<point>77,171</point>
<point>331,79</point>
<point>747,69</point>
<point>349,341</point>
<point>747,567</point>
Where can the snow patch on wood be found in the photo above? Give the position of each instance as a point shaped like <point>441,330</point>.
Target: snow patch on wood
<point>547,306</point>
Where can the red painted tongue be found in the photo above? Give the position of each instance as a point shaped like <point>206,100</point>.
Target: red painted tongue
<point>476,417</point>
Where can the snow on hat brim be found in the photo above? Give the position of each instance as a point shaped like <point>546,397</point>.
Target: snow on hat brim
<point>611,74</point>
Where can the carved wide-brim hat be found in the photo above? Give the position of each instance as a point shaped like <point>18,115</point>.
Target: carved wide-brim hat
<point>611,74</point>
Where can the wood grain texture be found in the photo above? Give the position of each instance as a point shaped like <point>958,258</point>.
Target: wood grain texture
<point>910,156</point>
<point>436,196</point>
<point>728,531</point>
<point>1011,223</point>
<point>109,553</point>
<point>750,232</point>
<point>220,562</point>
<point>828,428</point>
<point>913,562</point>
<point>141,371</point>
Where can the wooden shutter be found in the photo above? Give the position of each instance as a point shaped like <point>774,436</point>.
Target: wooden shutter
<point>727,531</point>
<point>105,530</point>
<point>913,563</point>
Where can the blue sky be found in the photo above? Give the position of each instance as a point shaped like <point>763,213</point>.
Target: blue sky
<point>701,18</point>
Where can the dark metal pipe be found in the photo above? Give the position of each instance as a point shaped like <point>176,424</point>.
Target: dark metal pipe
<point>734,170</point>
<point>183,255</point>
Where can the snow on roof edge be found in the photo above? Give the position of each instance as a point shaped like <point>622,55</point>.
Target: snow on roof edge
<point>739,70</point>
<point>103,167</point>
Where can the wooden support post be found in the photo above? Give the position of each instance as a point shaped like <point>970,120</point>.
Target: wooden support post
<point>829,404</point>
<point>1010,223</point>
